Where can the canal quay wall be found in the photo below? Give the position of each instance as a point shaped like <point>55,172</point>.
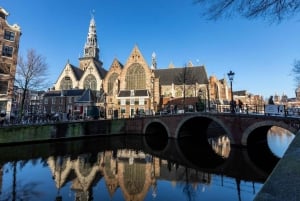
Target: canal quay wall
<point>63,130</point>
<point>283,184</point>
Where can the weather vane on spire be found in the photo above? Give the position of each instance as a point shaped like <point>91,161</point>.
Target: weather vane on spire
<point>93,13</point>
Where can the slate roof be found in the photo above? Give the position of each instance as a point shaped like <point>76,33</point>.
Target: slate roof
<point>70,92</point>
<point>195,74</point>
<point>77,71</point>
<point>102,71</point>
<point>52,93</point>
<point>240,93</point>
<point>127,93</point>
<point>87,97</point>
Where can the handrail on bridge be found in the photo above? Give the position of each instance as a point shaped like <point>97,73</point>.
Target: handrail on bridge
<point>256,109</point>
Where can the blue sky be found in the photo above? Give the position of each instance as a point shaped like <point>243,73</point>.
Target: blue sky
<point>261,54</point>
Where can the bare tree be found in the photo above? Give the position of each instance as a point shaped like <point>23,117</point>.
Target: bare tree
<point>296,72</point>
<point>31,74</point>
<point>185,80</point>
<point>273,10</point>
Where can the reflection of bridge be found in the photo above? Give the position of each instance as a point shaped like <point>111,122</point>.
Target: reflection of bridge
<point>86,162</point>
<point>238,164</point>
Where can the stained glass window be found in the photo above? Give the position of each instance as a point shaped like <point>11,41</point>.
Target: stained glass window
<point>136,77</point>
<point>66,83</point>
<point>90,82</point>
<point>112,83</point>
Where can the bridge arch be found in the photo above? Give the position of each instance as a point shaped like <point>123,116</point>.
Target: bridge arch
<point>208,118</point>
<point>266,125</point>
<point>159,126</point>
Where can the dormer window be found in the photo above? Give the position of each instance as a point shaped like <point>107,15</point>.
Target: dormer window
<point>131,92</point>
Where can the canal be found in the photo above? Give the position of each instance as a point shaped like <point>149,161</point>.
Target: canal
<point>137,168</point>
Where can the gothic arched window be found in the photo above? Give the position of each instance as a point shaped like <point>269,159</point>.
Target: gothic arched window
<point>112,83</point>
<point>66,83</point>
<point>90,82</point>
<point>136,77</point>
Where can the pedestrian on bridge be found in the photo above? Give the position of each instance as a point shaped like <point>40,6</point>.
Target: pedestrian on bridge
<point>241,106</point>
<point>271,102</point>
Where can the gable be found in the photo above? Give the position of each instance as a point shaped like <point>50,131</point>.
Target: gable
<point>70,71</point>
<point>136,57</point>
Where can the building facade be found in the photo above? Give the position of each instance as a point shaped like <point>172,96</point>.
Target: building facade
<point>9,41</point>
<point>135,87</point>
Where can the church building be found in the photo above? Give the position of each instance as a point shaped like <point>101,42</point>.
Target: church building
<point>134,88</point>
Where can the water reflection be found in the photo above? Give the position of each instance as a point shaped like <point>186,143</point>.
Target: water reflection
<point>126,168</point>
<point>221,145</point>
<point>279,140</point>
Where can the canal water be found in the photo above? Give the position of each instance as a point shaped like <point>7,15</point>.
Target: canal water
<point>136,168</point>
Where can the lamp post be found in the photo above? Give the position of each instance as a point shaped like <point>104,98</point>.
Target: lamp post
<point>230,76</point>
<point>64,101</point>
<point>105,104</point>
<point>200,102</point>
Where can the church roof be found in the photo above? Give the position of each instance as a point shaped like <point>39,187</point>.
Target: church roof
<point>77,72</point>
<point>196,74</point>
<point>102,71</point>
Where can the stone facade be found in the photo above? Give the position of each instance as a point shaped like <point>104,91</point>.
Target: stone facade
<point>135,88</point>
<point>9,40</point>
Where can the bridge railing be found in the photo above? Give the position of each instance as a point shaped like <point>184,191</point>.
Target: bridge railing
<point>248,108</point>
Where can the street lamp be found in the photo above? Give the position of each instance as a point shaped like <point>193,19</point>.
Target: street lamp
<point>105,104</point>
<point>230,76</point>
<point>202,103</point>
<point>64,101</point>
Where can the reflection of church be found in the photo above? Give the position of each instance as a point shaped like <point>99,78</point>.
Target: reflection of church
<point>126,89</point>
<point>134,172</point>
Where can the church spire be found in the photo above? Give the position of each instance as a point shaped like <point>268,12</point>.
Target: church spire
<point>91,46</point>
<point>154,64</point>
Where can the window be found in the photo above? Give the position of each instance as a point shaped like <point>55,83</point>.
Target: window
<point>8,35</point>
<point>4,68</point>
<point>136,77</point>
<point>3,106</point>
<point>3,87</point>
<point>141,101</point>
<point>131,101</point>
<point>53,109</point>
<point>123,101</point>
<point>46,101</point>
<point>113,84</point>
<point>66,83</point>
<point>90,82</point>
<point>7,51</point>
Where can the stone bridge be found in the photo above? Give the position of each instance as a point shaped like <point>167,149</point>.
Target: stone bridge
<point>240,128</point>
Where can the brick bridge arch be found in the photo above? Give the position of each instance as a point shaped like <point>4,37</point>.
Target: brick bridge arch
<point>237,127</point>
<point>268,124</point>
